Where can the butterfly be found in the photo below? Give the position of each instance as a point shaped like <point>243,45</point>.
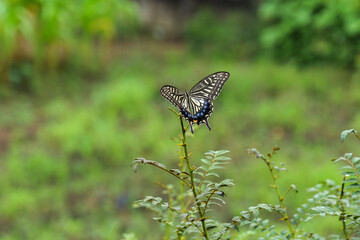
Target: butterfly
<point>196,105</point>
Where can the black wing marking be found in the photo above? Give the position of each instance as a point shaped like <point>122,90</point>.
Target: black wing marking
<point>174,95</point>
<point>210,86</point>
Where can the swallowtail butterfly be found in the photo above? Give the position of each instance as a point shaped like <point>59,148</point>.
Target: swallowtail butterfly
<point>196,105</point>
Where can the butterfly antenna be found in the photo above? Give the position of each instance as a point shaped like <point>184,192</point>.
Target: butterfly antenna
<point>190,123</point>
<point>207,124</point>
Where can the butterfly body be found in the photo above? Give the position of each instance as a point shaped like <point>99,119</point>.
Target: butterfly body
<point>196,105</point>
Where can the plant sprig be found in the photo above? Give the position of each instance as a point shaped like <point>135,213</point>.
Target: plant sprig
<point>274,171</point>
<point>201,191</point>
<point>204,191</point>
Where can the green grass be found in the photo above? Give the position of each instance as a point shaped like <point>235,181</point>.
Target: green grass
<point>65,169</point>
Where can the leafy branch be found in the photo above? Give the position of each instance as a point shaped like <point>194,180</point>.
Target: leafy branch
<point>346,132</point>
<point>204,192</point>
<point>274,171</point>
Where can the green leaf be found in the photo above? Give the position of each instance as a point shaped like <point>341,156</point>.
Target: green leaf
<point>215,167</point>
<point>348,173</point>
<point>222,158</point>
<point>348,155</point>
<point>351,180</point>
<point>221,152</point>
<point>345,133</point>
<point>355,160</point>
<point>265,207</point>
<point>213,174</point>
<point>305,205</point>
<point>353,186</point>
<point>301,210</point>
<point>346,168</point>
<point>207,162</point>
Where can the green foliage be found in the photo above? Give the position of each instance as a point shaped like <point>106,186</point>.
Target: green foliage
<point>311,31</point>
<point>210,34</point>
<point>186,212</point>
<point>191,218</point>
<point>41,35</point>
<point>79,141</point>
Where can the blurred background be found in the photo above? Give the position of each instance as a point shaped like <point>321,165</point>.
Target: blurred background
<point>79,93</point>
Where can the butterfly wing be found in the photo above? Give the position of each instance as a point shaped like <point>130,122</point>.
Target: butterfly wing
<point>210,86</point>
<point>174,95</point>
<point>197,106</point>
<point>203,93</point>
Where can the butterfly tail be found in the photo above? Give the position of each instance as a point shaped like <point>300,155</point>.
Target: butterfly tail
<point>192,130</point>
<point>207,124</point>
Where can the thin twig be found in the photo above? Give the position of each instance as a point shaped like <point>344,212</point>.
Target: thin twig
<point>164,169</point>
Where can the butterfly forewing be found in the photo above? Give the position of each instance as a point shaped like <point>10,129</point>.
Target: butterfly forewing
<point>210,86</point>
<point>174,95</point>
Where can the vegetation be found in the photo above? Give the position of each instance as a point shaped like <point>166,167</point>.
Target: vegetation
<point>310,31</point>
<point>72,123</point>
<point>41,35</point>
<point>186,210</point>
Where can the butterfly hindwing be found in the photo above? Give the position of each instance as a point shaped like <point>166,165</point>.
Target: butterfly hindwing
<point>196,105</point>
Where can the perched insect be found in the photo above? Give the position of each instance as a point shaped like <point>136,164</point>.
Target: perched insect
<point>196,105</point>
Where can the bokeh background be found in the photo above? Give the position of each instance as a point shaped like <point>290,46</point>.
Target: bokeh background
<point>79,100</point>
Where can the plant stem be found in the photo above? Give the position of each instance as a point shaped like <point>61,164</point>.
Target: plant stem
<point>280,197</point>
<point>342,217</point>
<point>186,157</point>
